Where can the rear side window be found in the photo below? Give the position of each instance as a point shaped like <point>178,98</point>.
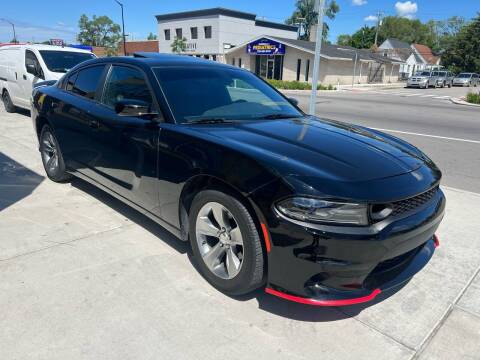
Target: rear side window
<point>87,81</point>
<point>126,83</point>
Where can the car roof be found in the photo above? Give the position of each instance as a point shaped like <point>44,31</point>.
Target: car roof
<point>46,47</point>
<point>159,59</point>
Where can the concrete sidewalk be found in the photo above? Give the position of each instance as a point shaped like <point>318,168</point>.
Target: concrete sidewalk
<point>85,277</point>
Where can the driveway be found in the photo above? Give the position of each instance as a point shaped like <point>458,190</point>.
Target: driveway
<point>85,277</point>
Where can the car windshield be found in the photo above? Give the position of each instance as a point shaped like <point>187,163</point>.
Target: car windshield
<point>464,75</point>
<point>62,61</point>
<point>423,73</point>
<point>442,73</point>
<point>218,93</point>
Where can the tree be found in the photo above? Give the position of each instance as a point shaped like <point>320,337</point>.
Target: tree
<point>463,54</point>
<point>446,32</point>
<point>100,31</point>
<point>179,45</point>
<point>152,36</point>
<point>361,39</point>
<point>344,40</point>
<point>407,30</point>
<point>306,15</point>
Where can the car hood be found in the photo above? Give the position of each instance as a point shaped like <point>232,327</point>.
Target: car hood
<point>320,148</point>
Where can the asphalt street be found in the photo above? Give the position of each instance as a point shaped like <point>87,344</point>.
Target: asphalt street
<point>448,133</point>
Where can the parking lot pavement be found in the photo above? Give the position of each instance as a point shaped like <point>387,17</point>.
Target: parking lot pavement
<point>85,277</point>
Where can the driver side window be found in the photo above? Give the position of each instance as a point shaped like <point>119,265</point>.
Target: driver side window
<point>31,60</point>
<point>125,83</point>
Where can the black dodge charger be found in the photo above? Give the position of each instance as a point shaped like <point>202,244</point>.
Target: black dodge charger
<point>313,210</point>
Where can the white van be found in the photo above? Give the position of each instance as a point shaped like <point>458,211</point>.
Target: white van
<point>22,65</point>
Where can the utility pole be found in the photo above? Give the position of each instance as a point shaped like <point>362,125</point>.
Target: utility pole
<point>319,8</point>
<point>123,29</point>
<point>379,19</point>
<point>14,33</point>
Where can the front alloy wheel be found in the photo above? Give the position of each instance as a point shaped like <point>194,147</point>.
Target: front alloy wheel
<point>225,243</point>
<point>220,240</point>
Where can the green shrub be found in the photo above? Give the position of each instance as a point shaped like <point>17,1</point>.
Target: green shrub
<point>297,85</point>
<point>473,98</point>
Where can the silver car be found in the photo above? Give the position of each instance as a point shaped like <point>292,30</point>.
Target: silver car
<point>445,78</point>
<point>423,79</point>
<point>466,79</point>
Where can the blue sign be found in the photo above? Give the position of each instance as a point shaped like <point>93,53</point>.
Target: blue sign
<point>265,47</point>
<point>82,47</point>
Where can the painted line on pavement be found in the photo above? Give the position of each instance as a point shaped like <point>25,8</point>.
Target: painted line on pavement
<point>428,135</point>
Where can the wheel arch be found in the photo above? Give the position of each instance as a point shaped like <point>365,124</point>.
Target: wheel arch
<point>210,182</point>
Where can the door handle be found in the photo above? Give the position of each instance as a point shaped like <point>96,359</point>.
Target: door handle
<point>24,77</point>
<point>94,124</point>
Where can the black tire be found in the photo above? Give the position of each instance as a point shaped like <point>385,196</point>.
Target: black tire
<point>57,173</point>
<point>7,102</point>
<point>251,274</point>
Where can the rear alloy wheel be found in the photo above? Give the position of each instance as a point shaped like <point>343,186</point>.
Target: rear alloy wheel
<point>225,243</point>
<point>7,102</point>
<point>52,158</point>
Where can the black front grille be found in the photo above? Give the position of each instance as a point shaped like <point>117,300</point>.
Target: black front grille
<point>407,205</point>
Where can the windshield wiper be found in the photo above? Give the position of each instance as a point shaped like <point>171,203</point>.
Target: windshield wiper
<point>278,116</point>
<point>212,120</point>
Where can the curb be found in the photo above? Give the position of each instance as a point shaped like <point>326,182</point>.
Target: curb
<point>460,101</point>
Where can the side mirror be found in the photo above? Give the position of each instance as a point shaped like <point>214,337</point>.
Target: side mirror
<point>129,107</point>
<point>293,101</point>
<point>32,69</point>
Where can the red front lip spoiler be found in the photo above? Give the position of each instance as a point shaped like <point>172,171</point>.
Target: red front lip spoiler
<point>341,302</point>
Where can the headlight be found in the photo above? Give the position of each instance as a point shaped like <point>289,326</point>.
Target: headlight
<point>316,210</point>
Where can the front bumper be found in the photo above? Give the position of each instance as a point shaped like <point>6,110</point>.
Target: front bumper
<point>338,266</point>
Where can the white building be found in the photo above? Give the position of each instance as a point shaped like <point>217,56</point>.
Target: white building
<point>414,57</point>
<point>211,32</point>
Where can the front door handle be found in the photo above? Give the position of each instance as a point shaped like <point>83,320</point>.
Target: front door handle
<point>94,124</point>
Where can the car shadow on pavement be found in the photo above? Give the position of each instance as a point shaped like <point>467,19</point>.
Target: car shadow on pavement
<point>266,302</point>
<point>16,181</point>
<point>131,214</point>
<point>309,313</point>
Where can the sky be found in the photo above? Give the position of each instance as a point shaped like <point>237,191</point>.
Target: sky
<point>59,18</point>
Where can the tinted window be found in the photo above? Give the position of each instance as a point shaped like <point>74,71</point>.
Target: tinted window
<point>62,61</point>
<point>126,83</point>
<point>194,32</point>
<point>208,32</point>
<point>87,81</point>
<point>213,92</point>
<point>31,59</point>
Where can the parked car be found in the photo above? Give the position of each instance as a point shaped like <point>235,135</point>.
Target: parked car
<point>445,78</point>
<point>423,79</point>
<point>316,211</point>
<point>22,66</point>
<point>466,79</point>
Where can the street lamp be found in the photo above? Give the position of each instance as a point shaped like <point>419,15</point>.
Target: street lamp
<point>13,26</point>
<point>123,29</point>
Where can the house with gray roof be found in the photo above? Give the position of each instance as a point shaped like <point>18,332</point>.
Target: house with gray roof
<point>414,57</point>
